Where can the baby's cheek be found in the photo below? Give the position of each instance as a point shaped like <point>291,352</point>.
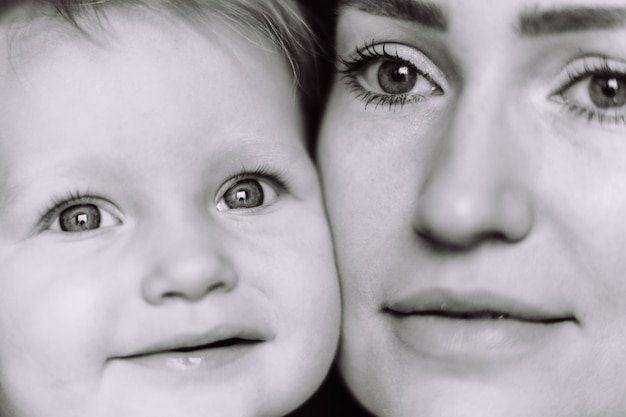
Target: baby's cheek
<point>54,356</point>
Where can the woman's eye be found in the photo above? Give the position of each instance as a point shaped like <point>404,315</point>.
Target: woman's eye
<point>595,89</point>
<point>604,91</point>
<point>245,194</point>
<point>392,75</point>
<point>81,217</point>
<point>608,91</point>
<point>396,78</point>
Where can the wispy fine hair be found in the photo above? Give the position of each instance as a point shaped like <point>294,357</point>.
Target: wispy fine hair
<point>281,22</point>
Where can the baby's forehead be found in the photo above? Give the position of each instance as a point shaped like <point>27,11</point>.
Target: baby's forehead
<point>42,47</point>
<point>33,33</point>
<point>75,92</point>
<point>25,30</point>
<point>30,29</point>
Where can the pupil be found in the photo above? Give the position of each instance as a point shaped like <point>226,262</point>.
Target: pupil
<point>610,88</point>
<point>400,74</point>
<point>396,78</point>
<point>608,91</point>
<point>80,218</point>
<point>245,194</point>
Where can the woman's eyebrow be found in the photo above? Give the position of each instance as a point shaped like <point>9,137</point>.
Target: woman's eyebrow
<point>416,11</point>
<point>570,19</point>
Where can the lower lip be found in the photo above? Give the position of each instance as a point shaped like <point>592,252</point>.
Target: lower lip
<point>443,337</point>
<point>199,360</point>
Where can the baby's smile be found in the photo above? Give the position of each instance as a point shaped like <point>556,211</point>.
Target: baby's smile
<point>215,348</point>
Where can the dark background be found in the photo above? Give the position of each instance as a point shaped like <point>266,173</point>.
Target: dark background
<point>333,398</point>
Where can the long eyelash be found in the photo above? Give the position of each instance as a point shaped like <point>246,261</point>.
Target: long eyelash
<point>368,53</point>
<point>365,55</point>
<point>575,75</point>
<point>589,68</point>
<point>379,100</point>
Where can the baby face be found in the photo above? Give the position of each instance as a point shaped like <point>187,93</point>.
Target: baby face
<point>164,249</point>
<point>474,163</point>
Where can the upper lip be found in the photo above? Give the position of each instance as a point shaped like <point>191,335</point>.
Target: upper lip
<point>218,336</point>
<point>474,305</point>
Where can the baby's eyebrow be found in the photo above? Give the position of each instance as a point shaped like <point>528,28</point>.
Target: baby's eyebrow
<point>417,11</point>
<point>570,19</point>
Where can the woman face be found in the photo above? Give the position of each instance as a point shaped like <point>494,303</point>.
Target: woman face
<point>473,157</point>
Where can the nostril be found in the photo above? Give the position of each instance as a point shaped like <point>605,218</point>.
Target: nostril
<point>196,292</point>
<point>445,241</point>
<point>461,242</point>
<point>193,294</point>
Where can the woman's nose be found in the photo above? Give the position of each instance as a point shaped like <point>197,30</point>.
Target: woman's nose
<point>190,265</point>
<point>473,192</point>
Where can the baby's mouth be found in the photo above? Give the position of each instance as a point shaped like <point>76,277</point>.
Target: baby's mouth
<point>207,356</point>
<point>219,344</point>
<point>232,342</point>
<point>209,351</point>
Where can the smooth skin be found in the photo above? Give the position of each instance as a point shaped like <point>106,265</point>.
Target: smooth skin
<point>473,158</point>
<point>153,122</point>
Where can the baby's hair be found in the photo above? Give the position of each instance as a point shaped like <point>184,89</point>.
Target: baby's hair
<point>281,22</point>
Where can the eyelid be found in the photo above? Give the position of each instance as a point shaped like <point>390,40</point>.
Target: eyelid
<point>570,83</point>
<point>584,67</point>
<point>261,174</point>
<point>372,52</point>
<point>354,72</point>
<point>60,204</point>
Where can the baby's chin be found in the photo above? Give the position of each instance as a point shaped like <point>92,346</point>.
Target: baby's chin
<point>197,401</point>
<point>254,385</point>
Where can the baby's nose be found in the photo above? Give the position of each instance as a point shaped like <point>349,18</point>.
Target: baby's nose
<point>190,265</point>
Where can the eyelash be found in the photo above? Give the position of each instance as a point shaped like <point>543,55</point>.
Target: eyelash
<point>368,54</point>
<point>59,204</point>
<point>277,179</point>
<point>63,202</point>
<point>586,68</point>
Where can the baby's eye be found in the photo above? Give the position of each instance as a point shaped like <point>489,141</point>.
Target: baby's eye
<point>81,215</point>
<point>246,193</point>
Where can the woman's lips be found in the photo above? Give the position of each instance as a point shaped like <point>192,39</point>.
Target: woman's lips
<point>475,305</point>
<point>480,324</point>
